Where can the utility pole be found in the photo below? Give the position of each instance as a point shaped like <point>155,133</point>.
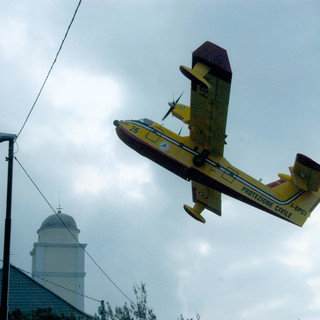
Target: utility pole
<point>7,231</point>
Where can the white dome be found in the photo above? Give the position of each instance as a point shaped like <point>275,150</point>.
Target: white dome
<point>60,220</point>
<point>58,228</point>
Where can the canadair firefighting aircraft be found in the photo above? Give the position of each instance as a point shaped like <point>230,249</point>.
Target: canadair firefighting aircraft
<point>199,156</point>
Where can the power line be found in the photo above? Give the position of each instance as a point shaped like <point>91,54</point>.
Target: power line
<point>35,185</point>
<point>52,65</point>
<point>55,284</point>
<point>59,285</point>
<point>84,249</point>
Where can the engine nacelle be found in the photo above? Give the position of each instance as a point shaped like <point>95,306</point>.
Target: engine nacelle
<point>306,173</point>
<point>182,112</point>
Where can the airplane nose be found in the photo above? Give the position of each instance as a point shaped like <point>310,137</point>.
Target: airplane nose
<point>116,122</point>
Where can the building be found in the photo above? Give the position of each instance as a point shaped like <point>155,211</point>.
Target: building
<point>58,259</point>
<point>27,295</point>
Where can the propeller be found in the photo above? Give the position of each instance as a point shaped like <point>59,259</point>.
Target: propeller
<point>172,105</point>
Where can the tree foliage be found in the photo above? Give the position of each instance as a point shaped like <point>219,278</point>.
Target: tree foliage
<point>39,314</point>
<point>135,311</point>
<point>182,318</point>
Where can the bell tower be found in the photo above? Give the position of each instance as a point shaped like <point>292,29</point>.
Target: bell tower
<point>58,258</point>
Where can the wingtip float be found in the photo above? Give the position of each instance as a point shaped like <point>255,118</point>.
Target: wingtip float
<point>199,156</point>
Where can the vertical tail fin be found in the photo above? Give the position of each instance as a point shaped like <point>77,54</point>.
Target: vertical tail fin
<point>301,189</point>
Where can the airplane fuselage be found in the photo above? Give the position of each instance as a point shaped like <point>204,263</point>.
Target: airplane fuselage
<point>177,154</point>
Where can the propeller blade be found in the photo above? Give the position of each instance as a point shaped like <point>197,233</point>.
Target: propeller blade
<point>169,111</point>
<point>179,98</point>
<point>172,105</point>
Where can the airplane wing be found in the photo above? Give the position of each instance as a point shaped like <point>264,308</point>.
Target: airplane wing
<point>210,198</point>
<point>210,88</point>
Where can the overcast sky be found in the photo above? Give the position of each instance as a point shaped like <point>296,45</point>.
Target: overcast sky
<point>121,61</point>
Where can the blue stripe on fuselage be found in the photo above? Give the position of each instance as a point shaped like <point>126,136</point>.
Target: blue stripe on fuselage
<point>217,165</point>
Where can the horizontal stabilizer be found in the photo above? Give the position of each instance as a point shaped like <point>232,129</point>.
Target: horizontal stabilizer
<point>285,177</point>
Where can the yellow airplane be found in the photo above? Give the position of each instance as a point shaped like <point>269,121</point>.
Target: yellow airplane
<point>199,157</point>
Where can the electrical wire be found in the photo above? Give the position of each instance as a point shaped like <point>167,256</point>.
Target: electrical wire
<point>83,248</point>
<point>55,284</point>
<point>58,285</point>
<point>32,181</point>
<point>49,72</point>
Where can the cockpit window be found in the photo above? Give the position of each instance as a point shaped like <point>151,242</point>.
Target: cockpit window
<point>146,121</point>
